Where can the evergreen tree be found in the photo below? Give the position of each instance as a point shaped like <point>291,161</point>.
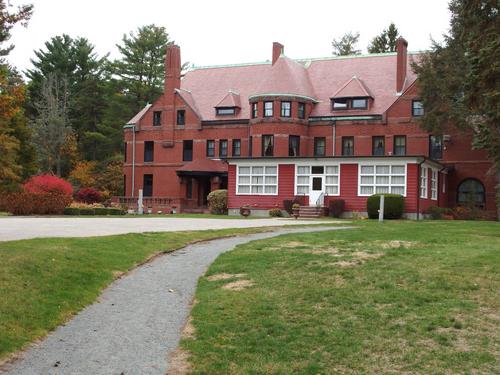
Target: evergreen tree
<point>386,41</point>
<point>346,45</point>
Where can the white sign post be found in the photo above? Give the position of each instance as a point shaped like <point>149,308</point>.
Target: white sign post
<point>381,209</point>
<point>140,207</point>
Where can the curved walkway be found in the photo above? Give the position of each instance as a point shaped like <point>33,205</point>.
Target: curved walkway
<point>136,323</point>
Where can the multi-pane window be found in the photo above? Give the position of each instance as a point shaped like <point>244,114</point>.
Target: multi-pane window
<point>434,184</point>
<point>471,192</point>
<point>147,185</point>
<point>187,150</point>
<point>379,179</point>
<point>348,146</point>
<point>223,148</point>
<point>359,103</point>
<point>436,146</point>
<point>293,145</point>
<point>210,148</point>
<point>156,118</point>
<point>399,145</point>
<point>339,104</point>
<point>286,109</point>
<point>319,146</point>
<point>423,182</point>
<point>301,110</point>
<point>417,108</point>
<point>332,180</point>
<point>268,109</point>
<point>378,146</point>
<point>259,180</point>
<point>236,147</point>
<point>305,173</point>
<point>267,145</point>
<point>149,149</point>
<point>255,110</point>
<point>224,111</point>
<point>181,117</point>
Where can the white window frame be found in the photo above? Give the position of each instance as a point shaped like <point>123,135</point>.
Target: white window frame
<point>434,184</point>
<point>251,174</point>
<point>374,184</point>
<point>424,182</point>
<point>310,174</point>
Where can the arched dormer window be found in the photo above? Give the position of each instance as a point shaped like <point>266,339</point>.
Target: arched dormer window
<point>471,192</point>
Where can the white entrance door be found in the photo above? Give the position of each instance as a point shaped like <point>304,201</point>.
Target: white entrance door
<point>316,190</point>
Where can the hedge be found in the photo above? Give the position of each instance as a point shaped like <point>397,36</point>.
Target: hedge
<point>217,201</point>
<point>393,206</point>
<point>72,211</point>
<point>28,203</point>
<point>101,211</point>
<point>87,211</point>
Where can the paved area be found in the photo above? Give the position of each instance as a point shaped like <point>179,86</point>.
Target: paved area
<point>137,322</point>
<point>18,228</point>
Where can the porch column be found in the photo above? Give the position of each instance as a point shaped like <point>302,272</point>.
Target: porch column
<point>215,183</point>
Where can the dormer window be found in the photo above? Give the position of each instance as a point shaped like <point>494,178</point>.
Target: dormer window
<point>225,111</point>
<point>359,103</point>
<point>339,104</point>
<point>344,104</point>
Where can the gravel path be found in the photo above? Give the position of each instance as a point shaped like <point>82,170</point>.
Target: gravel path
<point>18,228</point>
<point>137,321</point>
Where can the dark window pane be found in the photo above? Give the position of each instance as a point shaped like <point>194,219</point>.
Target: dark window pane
<point>399,145</point>
<point>471,192</point>
<point>250,146</point>
<point>255,110</point>
<point>223,147</point>
<point>156,118</point>
<point>267,145</point>
<point>301,111</point>
<point>294,145</point>
<point>286,109</point>
<point>236,147</point>
<point>149,147</point>
<point>378,146</point>
<point>317,183</point>
<point>211,148</point>
<point>436,147</point>
<point>226,111</point>
<point>417,108</point>
<point>268,109</point>
<point>147,185</point>
<point>187,150</point>
<point>317,169</point>
<point>348,146</point>
<point>181,117</point>
<point>189,188</point>
<point>319,146</point>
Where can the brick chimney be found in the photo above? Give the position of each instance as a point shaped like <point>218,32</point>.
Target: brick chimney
<point>278,49</point>
<point>172,71</point>
<point>401,49</point>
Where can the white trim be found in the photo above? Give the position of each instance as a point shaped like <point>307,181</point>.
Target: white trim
<point>317,163</point>
<point>434,184</point>
<point>424,187</point>
<point>251,175</point>
<point>390,175</point>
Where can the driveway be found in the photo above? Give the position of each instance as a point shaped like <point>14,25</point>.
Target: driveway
<point>136,323</point>
<point>19,228</point>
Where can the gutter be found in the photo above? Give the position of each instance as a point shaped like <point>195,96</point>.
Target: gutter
<point>345,118</point>
<point>134,129</point>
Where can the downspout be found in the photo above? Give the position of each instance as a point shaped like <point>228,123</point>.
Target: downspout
<point>334,128</point>
<point>418,188</point>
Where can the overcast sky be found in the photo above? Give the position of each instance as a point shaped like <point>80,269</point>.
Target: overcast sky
<point>230,31</point>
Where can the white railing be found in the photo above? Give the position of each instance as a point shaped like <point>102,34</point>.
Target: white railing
<point>321,200</point>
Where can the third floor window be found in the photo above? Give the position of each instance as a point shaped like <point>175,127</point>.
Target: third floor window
<point>268,109</point>
<point>286,109</point>
<point>255,110</point>
<point>156,118</point>
<point>417,108</point>
<point>301,111</point>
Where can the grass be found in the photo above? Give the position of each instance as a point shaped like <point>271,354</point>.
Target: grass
<point>397,297</point>
<point>43,282</point>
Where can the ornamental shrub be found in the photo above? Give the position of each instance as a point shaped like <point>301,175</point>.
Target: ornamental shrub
<point>336,207</point>
<point>288,205</point>
<point>116,211</point>
<point>217,202</point>
<point>87,211</point>
<point>437,212</point>
<point>100,211</point>
<point>48,184</point>
<point>41,203</point>
<point>393,206</point>
<point>89,195</point>
<point>72,211</point>
<point>275,212</point>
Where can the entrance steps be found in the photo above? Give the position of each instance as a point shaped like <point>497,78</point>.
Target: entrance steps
<point>312,211</point>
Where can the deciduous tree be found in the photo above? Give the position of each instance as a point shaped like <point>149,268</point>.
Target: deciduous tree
<point>346,45</point>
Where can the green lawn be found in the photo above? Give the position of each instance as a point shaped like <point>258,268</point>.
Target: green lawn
<point>43,282</point>
<point>397,297</point>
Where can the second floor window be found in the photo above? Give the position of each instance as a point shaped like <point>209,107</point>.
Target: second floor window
<point>399,145</point>
<point>268,109</point>
<point>211,148</point>
<point>156,118</point>
<point>301,111</point>
<point>436,146</point>
<point>378,146</point>
<point>319,146</point>
<point>294,145</point>
<point>267,145</point>
<point>236,147</point>
<point>181,117</point>
<point>149,149</point>
<point>223,147</point>
<point>255,110</point>
<point>147,185</point>
<point>187,150</point>
<point>286,109</point>
<point>417,108</point>
<point>347,146</point>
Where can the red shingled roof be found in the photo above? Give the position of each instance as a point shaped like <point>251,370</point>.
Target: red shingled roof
<point>204,165</point>
<point>352,88</point>
<point>317,79</point>
<point>232,99</point>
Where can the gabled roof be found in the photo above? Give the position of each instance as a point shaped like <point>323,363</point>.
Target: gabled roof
<point>134,120</point>
<point>188,99</point>
<point>231,99</point>
<point>353,88</point>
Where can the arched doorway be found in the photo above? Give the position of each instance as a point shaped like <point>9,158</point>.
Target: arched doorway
<point>471,192</point>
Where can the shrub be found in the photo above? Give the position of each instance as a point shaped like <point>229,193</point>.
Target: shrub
<point>71,211</point>
<point>48,184</point>
<point>288,205</point>
<point>217,202</point>
<point>393,206</point>
<point>437,212</point>
<point>466,213</point>
<point>89,195</point>
<point>45,203</point>
<point>87,211</point>
<point>245,208</point>
<point>100,211</point>
<point>336,207</point>
<point>116,211</point>
<point>275,212</point>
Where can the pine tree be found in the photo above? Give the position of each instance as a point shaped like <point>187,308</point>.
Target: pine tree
<point>386,41</point>
<point>346,45</point>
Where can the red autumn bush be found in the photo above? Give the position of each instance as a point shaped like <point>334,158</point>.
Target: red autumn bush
<point>48,184</point>
<point>27,203</point>
<point>89,195</point>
